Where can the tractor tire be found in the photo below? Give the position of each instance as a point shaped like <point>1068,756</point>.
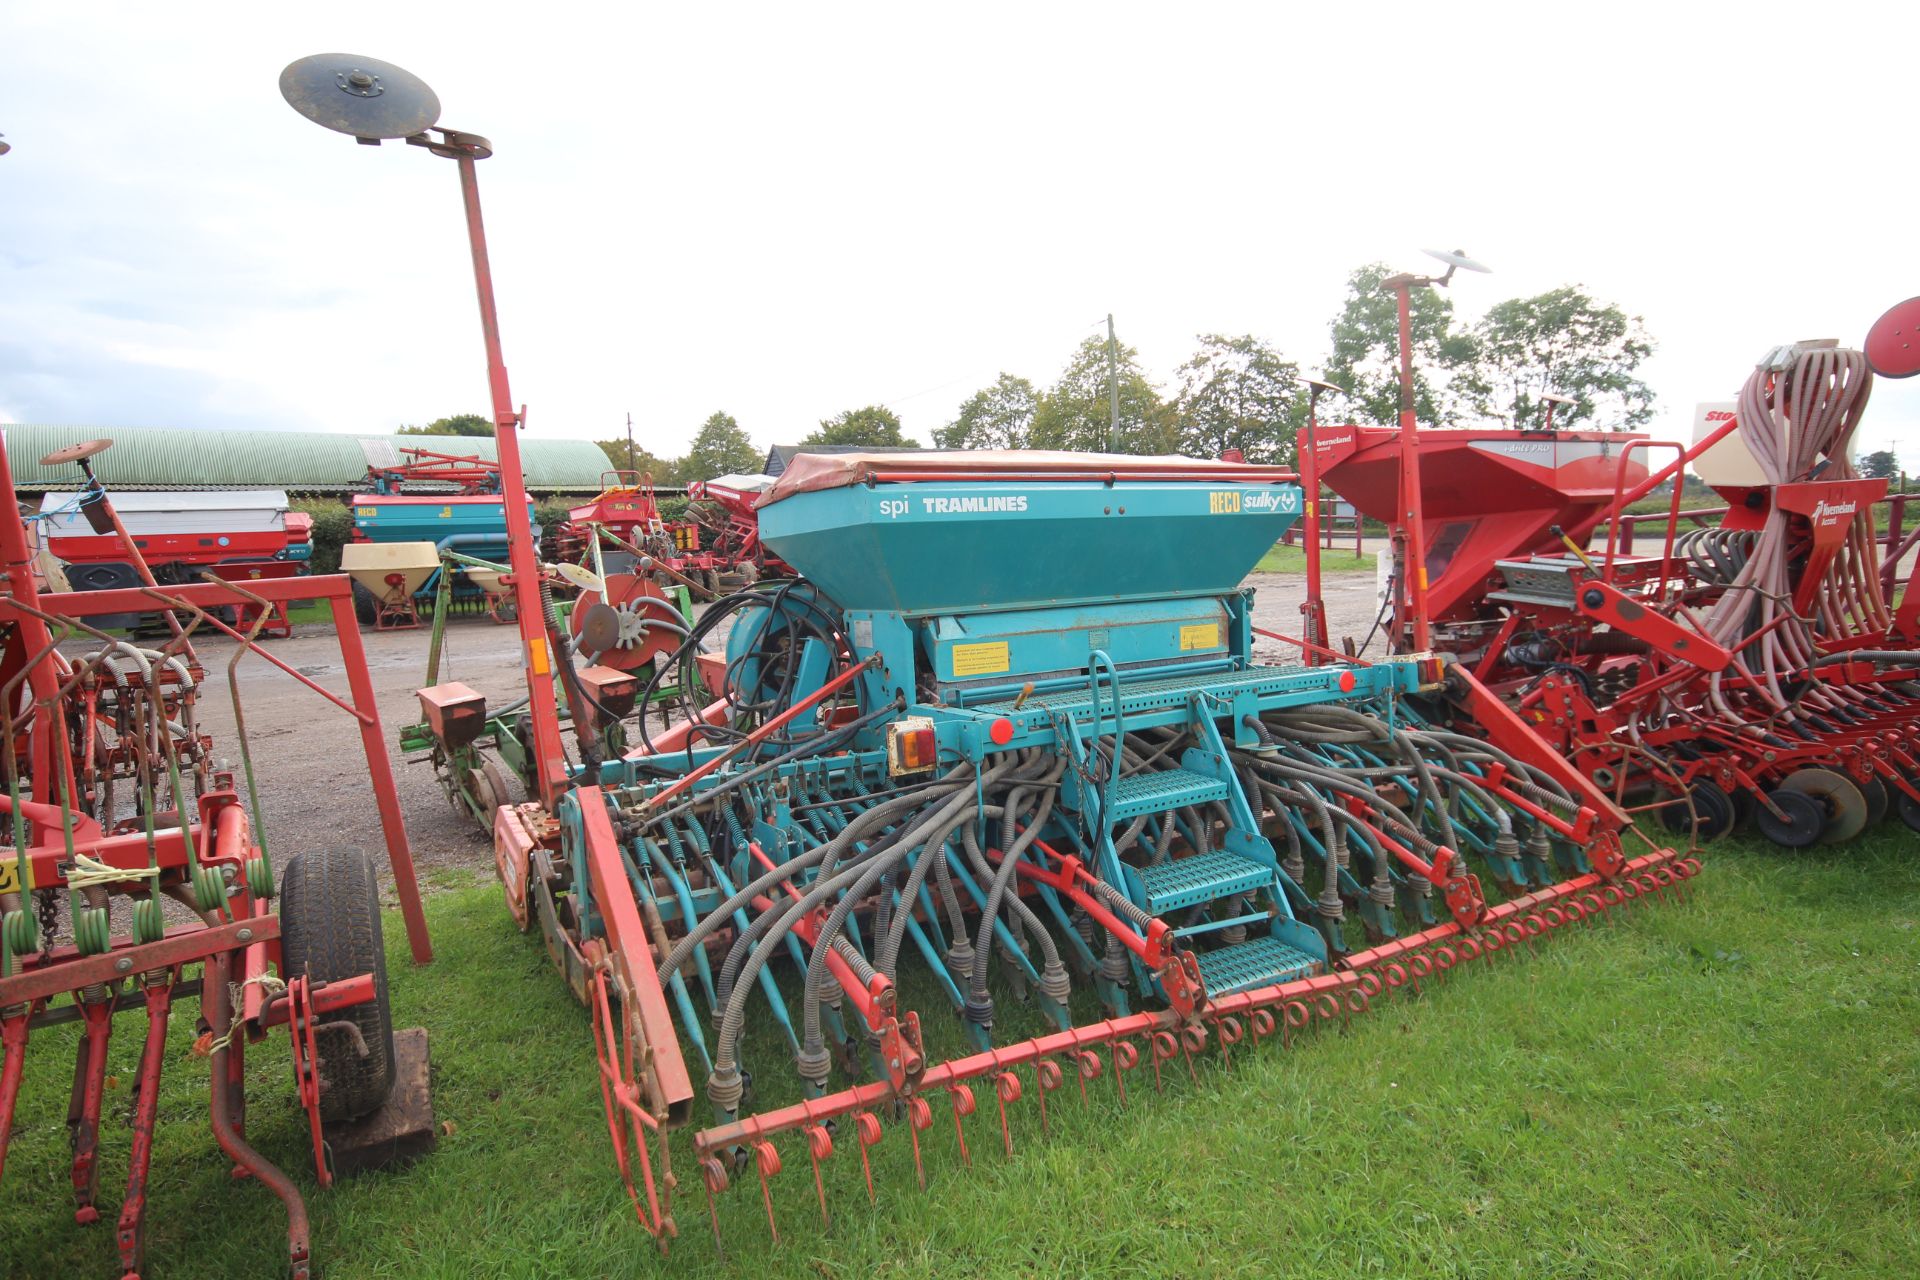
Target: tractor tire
<point>365,606</point>
<point>1807,825</point>
<point>330,930</point>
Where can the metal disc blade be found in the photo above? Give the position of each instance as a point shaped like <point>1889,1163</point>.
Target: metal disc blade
<point>1557,399</point>
<point>1846,808</point>
<point>75,452</point>
<point>1455,258</point>
<point>585,579</point>
<point>599,628</point>
<point>1893,344</point>
<point>362,96</point>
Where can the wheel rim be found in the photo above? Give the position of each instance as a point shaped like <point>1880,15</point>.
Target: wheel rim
<point>1843,808</point>
<point>1804,824</point>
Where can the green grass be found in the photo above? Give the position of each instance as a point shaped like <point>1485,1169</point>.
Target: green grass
<point>1727,1085</point>
<point>1285,559</point>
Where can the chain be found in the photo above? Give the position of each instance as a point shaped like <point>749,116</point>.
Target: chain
<point>49,903</point>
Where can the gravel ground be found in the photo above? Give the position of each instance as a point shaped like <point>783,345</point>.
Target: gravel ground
<point>308,758</point>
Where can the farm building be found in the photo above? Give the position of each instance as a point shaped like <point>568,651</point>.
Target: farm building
<point>301,462</point>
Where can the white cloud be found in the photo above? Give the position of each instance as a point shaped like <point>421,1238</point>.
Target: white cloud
<point>788,211</point>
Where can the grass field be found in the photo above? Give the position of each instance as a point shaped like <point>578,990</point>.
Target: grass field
<point>1285,559</point>
<point>1727,1085</point>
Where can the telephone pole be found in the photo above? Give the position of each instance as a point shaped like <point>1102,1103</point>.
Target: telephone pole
<point>1113,385</point>
<point>630,465</point>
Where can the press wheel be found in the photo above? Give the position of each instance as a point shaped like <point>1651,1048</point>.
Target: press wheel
<point>1704,803</point>
<point>1843,808</point>
<point>488,790</point>
<point>1806,819</point>
<point>1909,810</point>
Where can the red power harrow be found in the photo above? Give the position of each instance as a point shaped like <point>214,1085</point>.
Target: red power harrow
<point>112,801</point>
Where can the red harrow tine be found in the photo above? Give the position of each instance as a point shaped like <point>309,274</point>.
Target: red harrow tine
<point>83,1109</point>
<point>131,1233</point>
<point>13,1042</point>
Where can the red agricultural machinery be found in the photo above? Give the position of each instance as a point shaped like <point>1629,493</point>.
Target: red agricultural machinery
<point>139,877</point>
<point>719,536</point>
<point>1752,668</point>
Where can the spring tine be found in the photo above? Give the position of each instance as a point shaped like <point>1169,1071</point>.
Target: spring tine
<point>1006,1087</point>
<point>1046,1074</point>
<point>820,1146</point>
<point>919,1116</point>
<point>867,1129</point>
<point>713,1176</point>
<point>767,1161</point>
<point>1118,1071</point>
<point>962,1098</point>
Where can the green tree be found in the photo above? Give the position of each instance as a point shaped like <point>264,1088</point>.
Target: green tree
<point>460,424</point>
<point>1879,465</point>
<point>721,448</point>
<point>1565,343</point>
<point>1239,393</point>
<point>874,426</point>
<point>663,470</point>
<point>1366,350</point>
<point>995,417</point>
<point>1074,412</point>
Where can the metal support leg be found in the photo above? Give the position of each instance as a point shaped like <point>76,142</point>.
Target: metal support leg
<point>83,1109</point>
<point>131,1234</point>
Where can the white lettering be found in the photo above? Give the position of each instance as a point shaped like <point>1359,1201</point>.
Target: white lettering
<point>974,505</point>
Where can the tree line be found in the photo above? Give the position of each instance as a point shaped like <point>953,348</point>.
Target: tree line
<point>1239,392</point>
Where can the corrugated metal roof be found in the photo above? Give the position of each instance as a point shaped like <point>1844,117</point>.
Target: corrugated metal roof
<point>299,461</point>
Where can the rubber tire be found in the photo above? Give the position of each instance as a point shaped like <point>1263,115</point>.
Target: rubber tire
<point>1909,810</point>
<point>365,606</point>
<point>1809,820</point>
<point>1712,806</point>
<point>1874,792</point>
<point>330,930</point>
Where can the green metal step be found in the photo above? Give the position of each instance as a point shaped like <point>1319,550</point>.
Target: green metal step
<point>1207,877</point>
<point>1257,962</point>
<point>1163,790</point>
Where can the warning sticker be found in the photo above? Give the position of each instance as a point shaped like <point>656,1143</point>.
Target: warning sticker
<point>1200,636</point>
<point>9,873</point>
<point>981,659</point>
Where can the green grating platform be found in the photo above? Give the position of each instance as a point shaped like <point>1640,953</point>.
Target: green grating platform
<point>1165,789</point>
<point>1258,962</point>
<point>1186,882</point>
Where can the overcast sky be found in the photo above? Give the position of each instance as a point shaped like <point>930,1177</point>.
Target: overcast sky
<point>790,211</point>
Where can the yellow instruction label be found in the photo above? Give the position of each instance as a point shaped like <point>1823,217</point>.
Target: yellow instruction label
<point>1200,636</point>
<point>981,659</point>
<point>9,874</point>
